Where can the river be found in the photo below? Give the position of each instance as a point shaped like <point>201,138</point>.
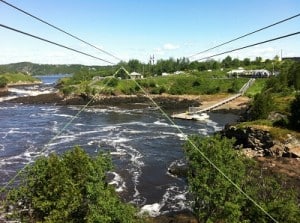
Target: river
<point>142,143</point>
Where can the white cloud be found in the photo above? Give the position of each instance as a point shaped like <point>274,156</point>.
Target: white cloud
<point>170,46</point>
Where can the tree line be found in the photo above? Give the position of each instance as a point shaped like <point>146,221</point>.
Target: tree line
<point>148,69</point>
<point>172,65</point>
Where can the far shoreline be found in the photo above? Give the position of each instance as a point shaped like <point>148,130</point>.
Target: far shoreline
<point>178,103</point>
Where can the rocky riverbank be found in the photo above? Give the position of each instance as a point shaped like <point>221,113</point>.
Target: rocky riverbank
<point>256,142</point>
<point>165,101</point>
<point>4,91</point>
<point>276,156</point>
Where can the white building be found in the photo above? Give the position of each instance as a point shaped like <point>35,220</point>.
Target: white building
<point>135,75</point>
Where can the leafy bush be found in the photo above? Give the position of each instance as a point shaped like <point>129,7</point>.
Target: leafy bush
<point>294,118</point>
<point>67,90</point>
<point>212,90</point>
<point>3,82</point>
<point>111,82</point>
<point>218,200</point>
<point>262,106</point>
<point>234,87</point>
<point>70,188</point>
<point>215,199</point>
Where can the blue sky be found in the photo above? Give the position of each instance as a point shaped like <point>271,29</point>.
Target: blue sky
<point>137,29</point>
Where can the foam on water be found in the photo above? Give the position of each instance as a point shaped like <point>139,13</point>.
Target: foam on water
<point>173,200</point>
<point>33,91</point>
<point>119,152</point>
<point>118,182</point>
<point>161,123</point>
<point>152,210</point>
<point>142,144</point>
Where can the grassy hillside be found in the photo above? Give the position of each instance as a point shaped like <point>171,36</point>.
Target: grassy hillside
<point>175,85</point>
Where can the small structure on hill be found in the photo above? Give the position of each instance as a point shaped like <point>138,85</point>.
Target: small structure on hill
<point>241,72</point>
<point>135,75</point>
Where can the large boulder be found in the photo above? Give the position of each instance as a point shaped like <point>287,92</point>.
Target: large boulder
<point>179,168</point>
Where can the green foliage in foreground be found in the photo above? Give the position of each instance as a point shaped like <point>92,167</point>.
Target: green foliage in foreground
<point>70,188</point>
<point>218,200</point>
<point>12,78</point>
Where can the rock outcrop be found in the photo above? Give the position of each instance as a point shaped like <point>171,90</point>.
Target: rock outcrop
<point>256,142</point>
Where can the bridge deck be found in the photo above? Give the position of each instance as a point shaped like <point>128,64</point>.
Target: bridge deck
<point>198,110</point>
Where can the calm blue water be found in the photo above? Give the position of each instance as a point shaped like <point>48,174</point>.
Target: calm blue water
<point>141,142</point>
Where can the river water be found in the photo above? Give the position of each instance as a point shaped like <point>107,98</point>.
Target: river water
<point>142,143</point>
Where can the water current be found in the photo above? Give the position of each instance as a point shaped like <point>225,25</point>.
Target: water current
<point>142,143</point>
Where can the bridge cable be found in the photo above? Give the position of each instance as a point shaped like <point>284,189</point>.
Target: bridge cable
<point>59,29</point>
<point>248,34</point>
<point>152,100</point>
<point>65,126</point>
<point>54,43</point>
<point>251,45</point>
<point>202,154</point>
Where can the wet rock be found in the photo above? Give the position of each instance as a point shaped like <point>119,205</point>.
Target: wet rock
<point>179,168</point>
<point>181,217</point>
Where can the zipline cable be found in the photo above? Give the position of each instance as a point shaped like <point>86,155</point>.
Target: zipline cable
<point>59,29</point>
<point>202,154</point>
<point>251,45</point>
<point>54,43</point>
<point>152,100</point>
<point>248,34</point>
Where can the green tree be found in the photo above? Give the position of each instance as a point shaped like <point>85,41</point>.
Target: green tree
<point>258,61</point>
<point>246,62</point>
<point>272,194</point>
<point>227,62</point>
<point>218,200</point>
<point>134,65</point>
<point>262,105</point>
<point>70,188</point>
<point>215,198</point>
<point>236,62</point>
<point>294,118</point>
<point>294,75</point>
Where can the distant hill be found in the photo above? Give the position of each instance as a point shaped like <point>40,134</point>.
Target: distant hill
<point>43,69</point>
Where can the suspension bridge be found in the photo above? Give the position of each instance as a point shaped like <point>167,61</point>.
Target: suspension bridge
<point>198,113</point>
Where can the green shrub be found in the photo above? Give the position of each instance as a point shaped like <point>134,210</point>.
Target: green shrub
<point>3,82</point>
<point>70,188</point>
<point>262,105</point>
<point>111,82</point>
<point>294,118</point>
<point>216,199</point>
<point>67,90</point>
